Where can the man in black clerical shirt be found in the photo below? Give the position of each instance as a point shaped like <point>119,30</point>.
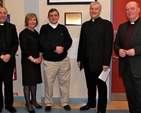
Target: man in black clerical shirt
<point>8,48</point>
<point>128,46</point>
<point>94,55</point>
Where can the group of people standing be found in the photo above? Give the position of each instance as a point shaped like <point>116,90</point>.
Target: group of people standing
<point>52,44</point>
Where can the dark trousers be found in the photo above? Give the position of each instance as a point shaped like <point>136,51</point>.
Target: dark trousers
<point>92,81</point>
<point>133,90</point>
<point>6,75</point>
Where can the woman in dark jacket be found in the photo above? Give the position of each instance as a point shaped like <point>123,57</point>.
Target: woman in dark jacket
<point>31,58</point>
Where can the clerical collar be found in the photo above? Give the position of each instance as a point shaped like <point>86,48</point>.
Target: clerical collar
<point>1,24</point>
<point>94,20</point>
<point>132,23</point>
<point>53,25</point>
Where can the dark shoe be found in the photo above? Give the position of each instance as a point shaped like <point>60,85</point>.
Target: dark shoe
<point>48,108</point>
<point>30,111</point>
<point>33,111</point>
<point>36,105</point>
<point>86,107</point>
<point>11,109</point>
<point>0,110</point>
<point>67,107</point>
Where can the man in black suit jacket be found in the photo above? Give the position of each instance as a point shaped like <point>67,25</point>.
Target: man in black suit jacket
<point>94,55</point>
<point>8,48</point>
<point>128,46</point>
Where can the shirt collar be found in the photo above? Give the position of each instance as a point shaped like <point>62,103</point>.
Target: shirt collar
<point>53,25</point>
<point>1,24</point>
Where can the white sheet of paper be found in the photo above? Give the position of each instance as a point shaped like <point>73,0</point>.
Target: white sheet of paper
<point>104,74</point>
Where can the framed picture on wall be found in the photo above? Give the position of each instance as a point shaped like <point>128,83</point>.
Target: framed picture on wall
<point>73,18</point>
<point>55,2</point>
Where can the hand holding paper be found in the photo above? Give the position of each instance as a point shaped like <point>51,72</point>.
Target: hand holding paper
<point>104,74</point>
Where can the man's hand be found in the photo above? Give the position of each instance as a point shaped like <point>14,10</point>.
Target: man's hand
<point>105,68</point>
<point>59,49</point>
<point>6,57</point>
<point>122,52</point>
<point>130,52</point>
<point>78,63</point>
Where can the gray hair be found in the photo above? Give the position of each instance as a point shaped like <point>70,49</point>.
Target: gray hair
<point>96,2</point>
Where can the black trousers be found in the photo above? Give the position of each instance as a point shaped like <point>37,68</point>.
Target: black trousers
<point>6,76</point>
<point>133,90</point>
<point>93,82</point>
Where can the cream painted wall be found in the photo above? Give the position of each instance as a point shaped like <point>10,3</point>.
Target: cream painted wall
<point>77,85</point>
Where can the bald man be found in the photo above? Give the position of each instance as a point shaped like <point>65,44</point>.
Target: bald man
<point>128,46</point>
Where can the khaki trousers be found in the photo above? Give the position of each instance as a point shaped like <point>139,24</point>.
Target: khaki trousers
<point>61,70</point>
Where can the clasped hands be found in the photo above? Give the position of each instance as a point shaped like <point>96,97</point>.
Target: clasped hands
<point>35,60</point>
<point>6,57</point>
<point>124,53</point>
<point>59,49</point>
<point>38,60</point>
